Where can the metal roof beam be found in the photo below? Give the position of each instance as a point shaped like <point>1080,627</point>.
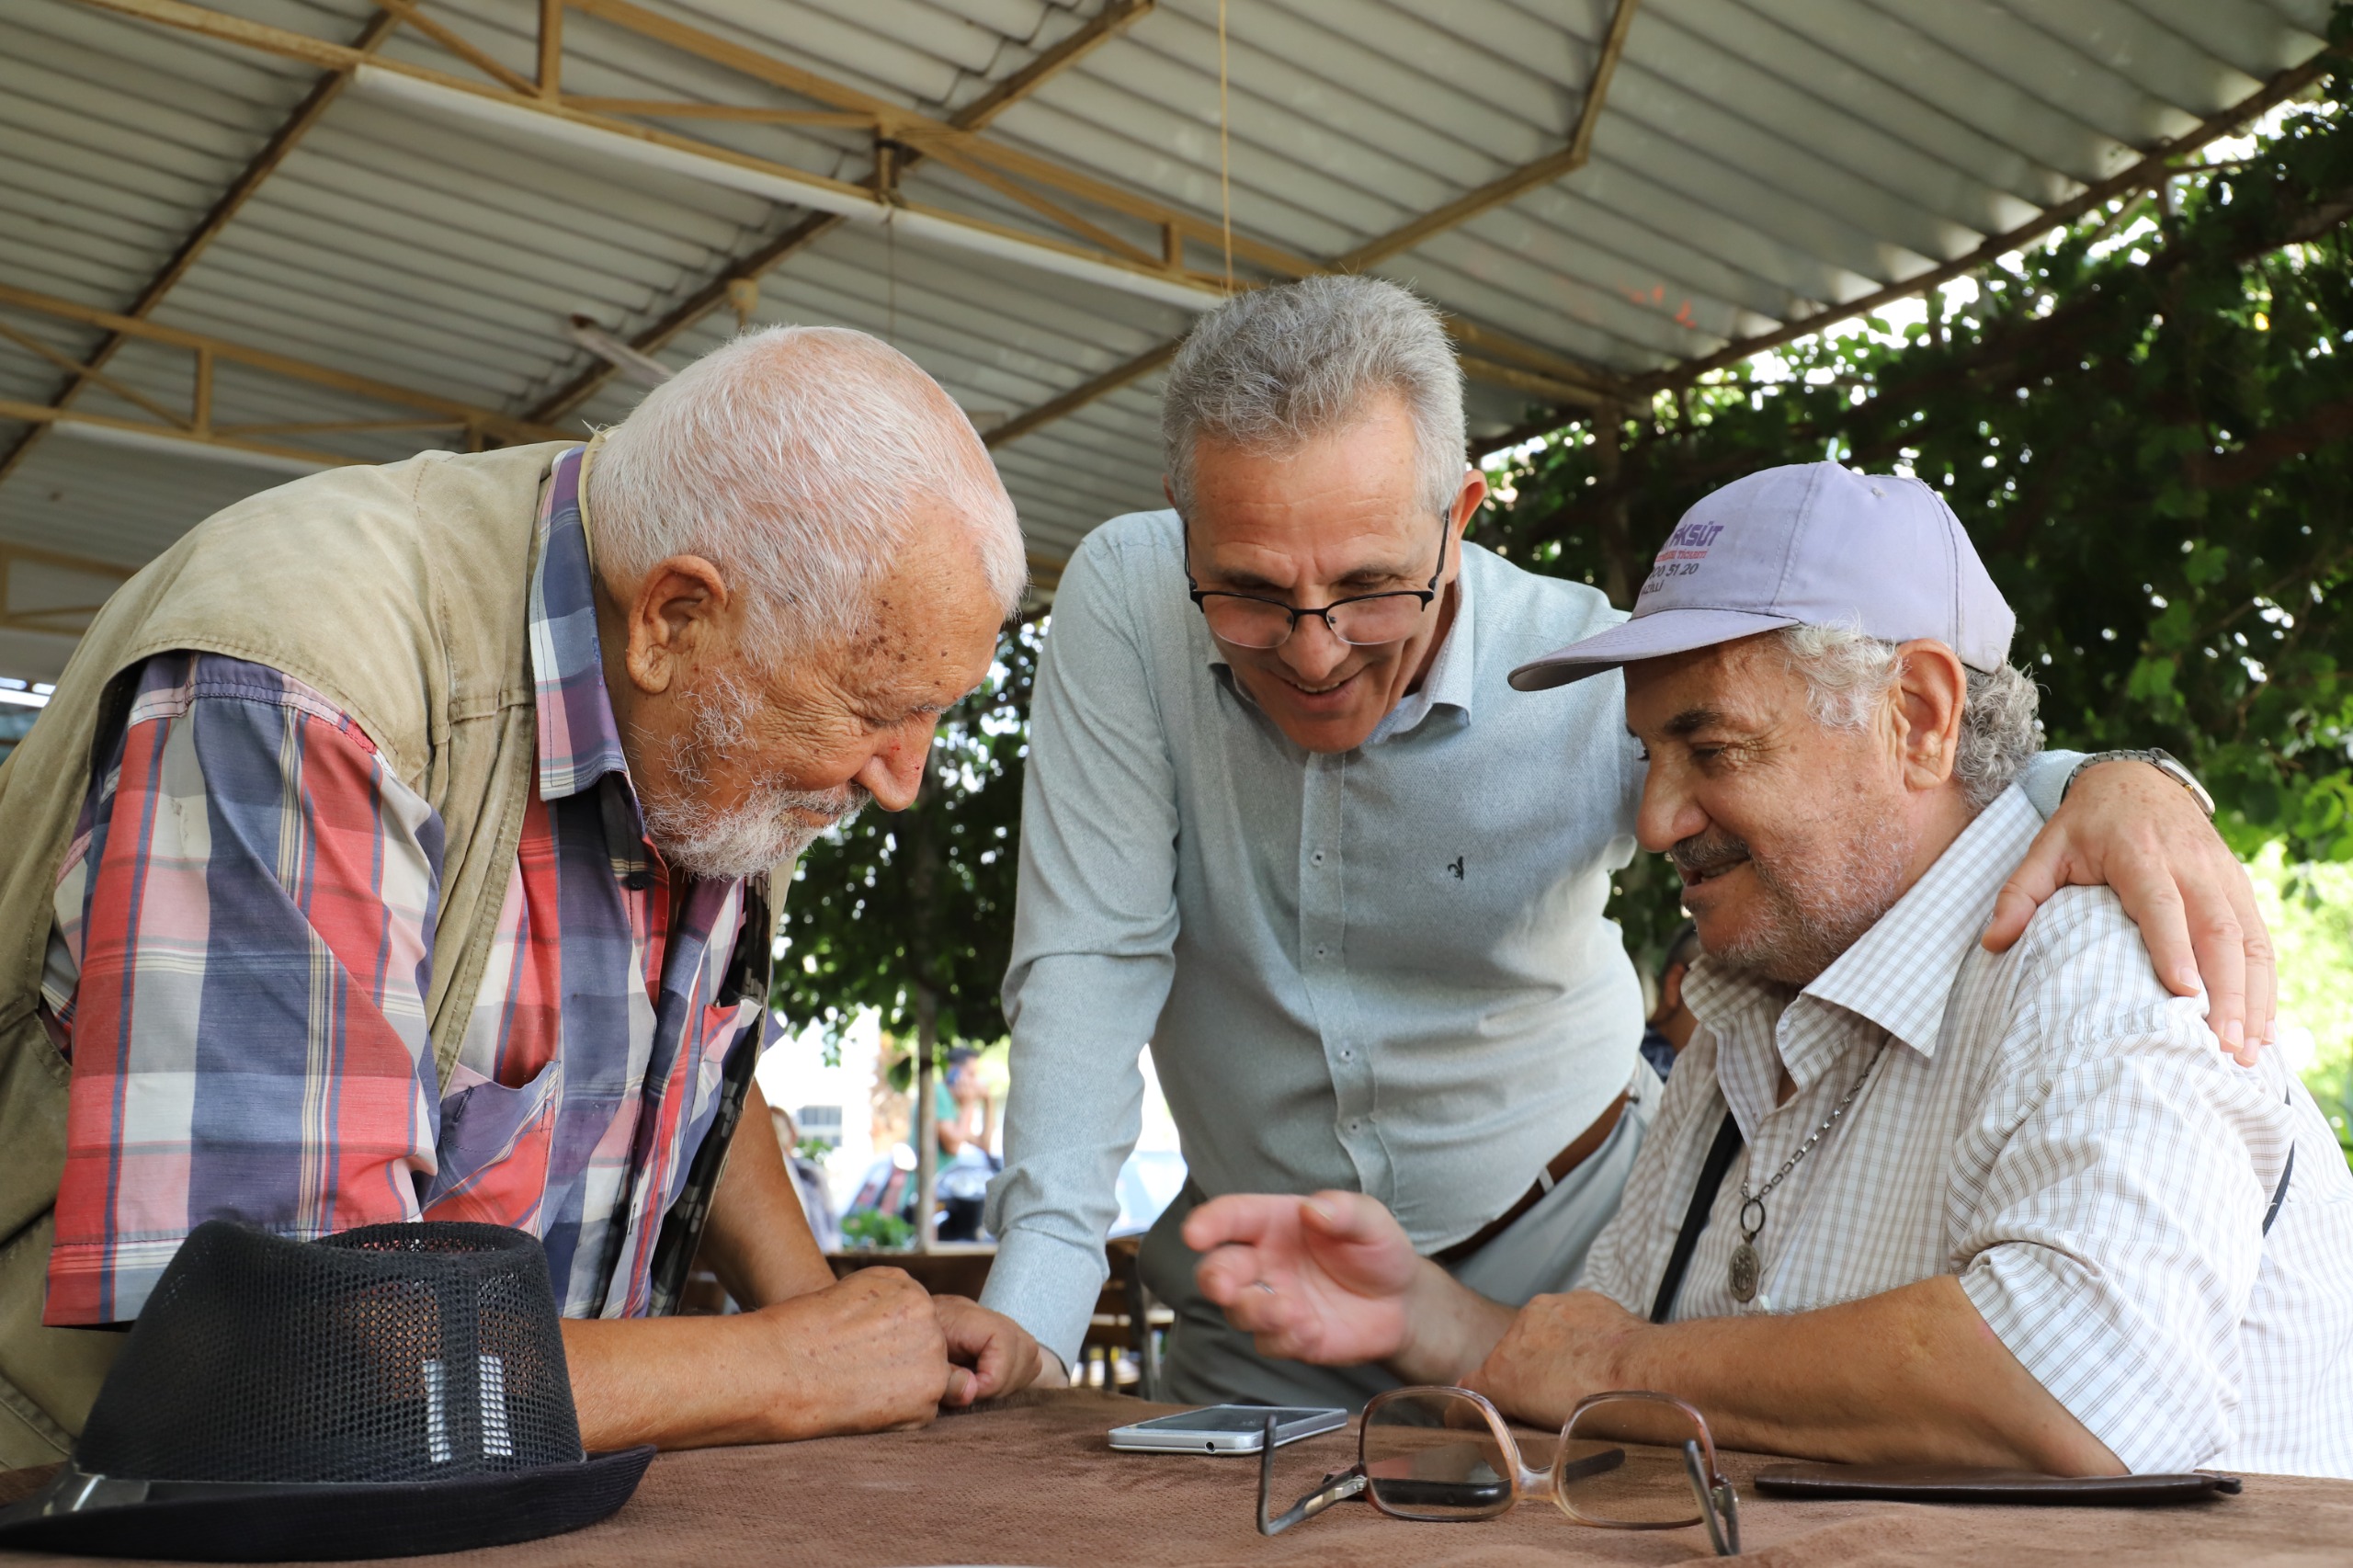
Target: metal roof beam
<point>1536,370</point>
<point>1115,17</point>
<point>263,164</point>
<point>11,552</point>
<point>161,437</point>
<point>1522,180</point>
<point>724,165</point>
<point>36,618</point>
<point>209,350</point>
<point>1540,372</point>
<point>895,123</point>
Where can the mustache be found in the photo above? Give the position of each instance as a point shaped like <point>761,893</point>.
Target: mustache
<point>840,804</point>
<point>1704,854</point>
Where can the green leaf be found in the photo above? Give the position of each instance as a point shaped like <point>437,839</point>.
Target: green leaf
<point>2206,564</point>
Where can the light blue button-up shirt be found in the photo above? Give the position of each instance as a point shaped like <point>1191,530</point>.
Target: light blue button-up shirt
<point>1384,970</point>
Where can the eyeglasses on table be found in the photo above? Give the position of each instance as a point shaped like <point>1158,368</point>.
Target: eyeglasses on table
<point>1632,1461</point>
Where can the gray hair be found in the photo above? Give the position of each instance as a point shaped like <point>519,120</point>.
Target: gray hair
<point>1847,674</point>
<point>793,459</point>
<point>1274,367</point>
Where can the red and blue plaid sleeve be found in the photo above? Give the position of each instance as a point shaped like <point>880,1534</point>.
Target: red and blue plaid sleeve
<point>248,1032</point>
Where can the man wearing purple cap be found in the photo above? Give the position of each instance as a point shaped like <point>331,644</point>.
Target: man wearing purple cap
<point>1905,1199</point>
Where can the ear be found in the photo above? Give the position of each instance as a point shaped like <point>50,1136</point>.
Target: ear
<point>1930,687</point>
<point>679,612</point>
<point>1168,490</point>
<point>1467,499</point>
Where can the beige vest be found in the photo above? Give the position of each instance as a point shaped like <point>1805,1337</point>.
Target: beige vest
<point>403,593</point>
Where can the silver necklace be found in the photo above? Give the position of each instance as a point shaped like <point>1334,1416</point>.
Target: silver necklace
<point>1748,1268</point>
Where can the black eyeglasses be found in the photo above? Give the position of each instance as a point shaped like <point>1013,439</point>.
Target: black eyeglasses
<point>1629,1461</point>
<point>1368,621</point>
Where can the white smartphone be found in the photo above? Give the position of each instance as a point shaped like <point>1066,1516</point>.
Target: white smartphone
<point>1224,1429</point>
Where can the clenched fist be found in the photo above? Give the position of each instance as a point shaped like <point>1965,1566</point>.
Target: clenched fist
<point>869,1350</point>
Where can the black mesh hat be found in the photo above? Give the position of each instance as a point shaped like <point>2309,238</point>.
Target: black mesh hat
<point>383,1392</point>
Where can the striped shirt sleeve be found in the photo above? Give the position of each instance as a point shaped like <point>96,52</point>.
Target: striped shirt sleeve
<point>247,1029</point>
<point>2114,1244</point>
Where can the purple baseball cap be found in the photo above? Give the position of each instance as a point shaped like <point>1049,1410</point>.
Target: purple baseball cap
<point>1811,544</point>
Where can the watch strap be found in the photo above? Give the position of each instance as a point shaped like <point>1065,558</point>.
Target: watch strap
<point>2164,762</point>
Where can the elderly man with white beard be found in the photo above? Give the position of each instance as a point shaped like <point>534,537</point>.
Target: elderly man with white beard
<point>397,846</point>
<point>1905,1200</point>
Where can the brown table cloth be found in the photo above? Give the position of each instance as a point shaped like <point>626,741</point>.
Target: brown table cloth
<point>1031,1482</point>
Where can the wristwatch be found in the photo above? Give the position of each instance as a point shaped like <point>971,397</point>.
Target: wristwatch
<point>2164,762</point>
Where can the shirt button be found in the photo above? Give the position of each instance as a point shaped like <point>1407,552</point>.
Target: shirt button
<point>1317,857</point>
<point>1356,1126</point>
<point>1348,1055</point>
<point>1323,952</point>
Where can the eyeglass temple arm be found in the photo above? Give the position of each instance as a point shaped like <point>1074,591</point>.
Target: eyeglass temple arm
<point>1718,1504</point>
<point>1335,1489</point>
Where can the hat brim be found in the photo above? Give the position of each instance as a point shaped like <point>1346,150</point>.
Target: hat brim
<point>192,1521</point>
<point>1644,637</point>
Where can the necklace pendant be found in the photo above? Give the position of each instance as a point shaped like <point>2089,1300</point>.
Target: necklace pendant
<point>1746,1270</point>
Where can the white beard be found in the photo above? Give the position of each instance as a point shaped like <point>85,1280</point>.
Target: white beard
<point>763,832</point>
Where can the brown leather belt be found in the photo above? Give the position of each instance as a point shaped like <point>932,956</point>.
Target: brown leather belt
<point>1561,1164</point>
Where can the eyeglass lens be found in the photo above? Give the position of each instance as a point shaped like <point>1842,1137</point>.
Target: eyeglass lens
<point>1435,1455</point>
<point>1364,623</point>
<point>1620,1462</point>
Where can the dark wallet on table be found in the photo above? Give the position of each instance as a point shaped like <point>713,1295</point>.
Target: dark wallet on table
<point>1964,1484</point>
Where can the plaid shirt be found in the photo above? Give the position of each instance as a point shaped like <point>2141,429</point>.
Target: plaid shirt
<point>240,957</point>
<point>2053,1127</point>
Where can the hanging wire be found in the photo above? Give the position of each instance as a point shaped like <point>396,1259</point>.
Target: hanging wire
<point>1224,156</point>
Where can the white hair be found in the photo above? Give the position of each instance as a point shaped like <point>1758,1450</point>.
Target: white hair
<point>1274,367</point>
<point>793,459</point>
<point>1847,675</point>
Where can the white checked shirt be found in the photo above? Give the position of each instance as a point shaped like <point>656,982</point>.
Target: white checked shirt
<point>2054,1127</point>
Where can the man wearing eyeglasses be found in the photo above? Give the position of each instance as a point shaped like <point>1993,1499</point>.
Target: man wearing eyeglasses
<point>1285,823</point>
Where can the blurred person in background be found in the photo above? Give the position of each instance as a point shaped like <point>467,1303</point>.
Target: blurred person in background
<point>1668,1028</point>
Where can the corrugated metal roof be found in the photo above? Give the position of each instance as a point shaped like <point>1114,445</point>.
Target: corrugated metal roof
<point>1756,163</point>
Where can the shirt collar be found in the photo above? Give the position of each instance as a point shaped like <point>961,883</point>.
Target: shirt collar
<point>1452,682</point>
<point>579,740</point>
<point>1900,971</point>
<point>1452,677</point>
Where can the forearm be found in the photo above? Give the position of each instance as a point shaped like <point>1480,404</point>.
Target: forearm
<point>1913,1375</point>
<point>758,1241</point>
<point>1079,1022</point>
<point>862,1356</point>
<point>692,1382</point>
<point>1450,1327</point>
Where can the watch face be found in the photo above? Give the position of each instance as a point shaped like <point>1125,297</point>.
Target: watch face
<point>2172,768</point>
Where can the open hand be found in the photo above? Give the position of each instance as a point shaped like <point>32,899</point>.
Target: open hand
<point>1325,1279</point>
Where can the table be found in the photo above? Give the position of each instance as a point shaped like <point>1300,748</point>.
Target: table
<point>1030,1481</point>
